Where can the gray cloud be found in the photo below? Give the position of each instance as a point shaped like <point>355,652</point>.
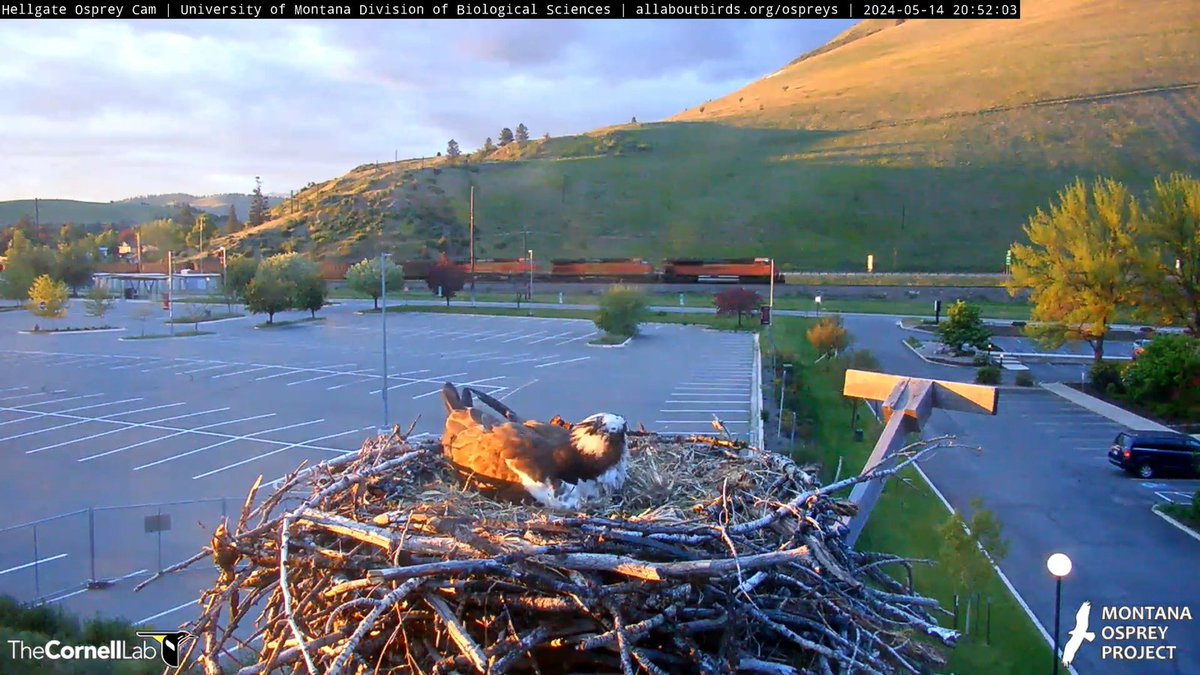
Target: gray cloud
<point>102,110</point>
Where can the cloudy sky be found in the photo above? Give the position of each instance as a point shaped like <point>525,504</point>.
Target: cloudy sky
<point>104,110</point>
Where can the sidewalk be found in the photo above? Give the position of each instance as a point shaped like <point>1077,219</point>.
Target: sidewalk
<point>1105,409</point>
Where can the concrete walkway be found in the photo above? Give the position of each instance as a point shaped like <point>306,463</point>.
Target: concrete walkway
<point>1112,412</point>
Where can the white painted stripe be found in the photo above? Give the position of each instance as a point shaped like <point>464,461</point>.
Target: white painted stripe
<point>518,337</point>
<point>58,400</point>
<point>440,379</point>
<point>59,598</point>
<point>227,441</point>
<point>43,561</point>
<point>698,395</point>
<point>172,435</point>
<point>517,389</point>
<point>531,359</point>
<point>164,613</point>
<point>673,400</point>
<point>724,421</point>
<point>13,398</point>
<point>461,385</point>
<point>574,339</point>
<point>114,431</point>
<point>559,363</point>
<point>552,337</point>
<point>276,451</point>
<point>242,372</point>
<point>201,370</point>
<point>324,377</point>
<point>12,389</point>
<point>71,424</point>
<point>699,410</point>
<point>287,371</point>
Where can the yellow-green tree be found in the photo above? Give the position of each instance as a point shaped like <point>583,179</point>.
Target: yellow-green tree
<point>1169,288</point>
<point>48,298</point>
<point>1080,263</point>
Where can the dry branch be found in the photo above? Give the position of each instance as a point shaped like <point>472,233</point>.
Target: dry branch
<point>716,557</point>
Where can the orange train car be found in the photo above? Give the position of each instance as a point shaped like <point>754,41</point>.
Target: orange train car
<point>744,270</point>
<point>618,269</point>
<point>501,268</point>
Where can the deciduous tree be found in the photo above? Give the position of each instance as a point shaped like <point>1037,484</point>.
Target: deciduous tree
<point>311,293</point>
<point>238,274</point>
<point>99,301</point>
<point>1169,282</point>
<point>963,326</point>
<point>828,336</point>
<point>737,301</point>
<point>48,298</point>
<point>622,310</point>
<point>26,261</point>
<point>74,265</point>
<point>202,231</point>
<point>1080,263</point>
<point>447,278</point>
<point>268,294</point>
<point>363,277</point>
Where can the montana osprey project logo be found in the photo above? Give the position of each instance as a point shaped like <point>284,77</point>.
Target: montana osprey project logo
<point>171,641</point>
<point>1078,634</point>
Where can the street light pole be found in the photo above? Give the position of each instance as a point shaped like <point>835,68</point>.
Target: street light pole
<point>1060,566</point>
<point>383,313</point>
<point>782,388</point>
<point>170,290</point>
<point>224,281</point>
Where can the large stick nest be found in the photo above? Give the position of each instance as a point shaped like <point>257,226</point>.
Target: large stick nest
<point>714,558</point>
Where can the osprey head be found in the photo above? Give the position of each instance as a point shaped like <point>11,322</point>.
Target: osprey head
<point>600,436</point>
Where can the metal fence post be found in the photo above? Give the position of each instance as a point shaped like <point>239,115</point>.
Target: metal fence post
<point>37,579</point>
<point>92,543</point>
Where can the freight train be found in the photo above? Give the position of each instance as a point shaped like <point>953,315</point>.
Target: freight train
<point>624,270</point>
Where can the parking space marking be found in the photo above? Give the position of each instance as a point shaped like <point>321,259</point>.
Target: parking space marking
<point>374,376</point>
<point>201,370</point>
<point>152,617</point>
<point>723,421</point>
<point>13,398</point>
<point>559,363</point>
<point>1170,496</point>
<point>514,339</point>
<point>325,377</point>
<point>574,339</point>
<point>704,410</point>
<point>178,432</point>
<point>494,358</point>
<point>247,437</point>
<point>276,451</point>
<point>57,400</point>
<point>693,402</point>
<point>465,384</point>
<point>78,422</point>
<point>440,379</point>
<point>42,561</point>
<point>7,389</point>
<point>35,414</point>
<point>552,337</point>
<point>242,372</point>
<point>531,359</point>
<point>519,388</point>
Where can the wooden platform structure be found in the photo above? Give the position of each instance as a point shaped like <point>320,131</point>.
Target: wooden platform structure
<point>914,399</point>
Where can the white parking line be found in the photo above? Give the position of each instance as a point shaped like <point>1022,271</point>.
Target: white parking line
<point>430,380</point>
<point>287,370</point>
<point>162,614</point>
<point>574,339</point>
<point>673,400</point>
<point>552,337</point>
<point>514,339</point>
<point>43,561</point>
<point>697,395</point>
<point>227,441</point>
<point>460,385</point>
<point>701,410</point>
<point>50,413</point>
<point>699,421</point>
<point>374,376</point>
<point>530,359</point>
<point>201,370</point>
<point>57,400</point>
<point>559,363</point>
<point>510,393</point>
<point>13,398</point>
<point>7,389</point>
<point>178,432</point>
<point>276,451</point>
<point>325,377</point>
<point>242,372</point>
<point>78,422</point>
<point>493,358</point>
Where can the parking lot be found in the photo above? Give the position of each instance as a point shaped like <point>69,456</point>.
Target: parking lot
<point>181,427</point>
<point>1044,471</point>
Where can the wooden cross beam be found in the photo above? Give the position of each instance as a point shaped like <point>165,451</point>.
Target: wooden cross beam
<point>914,399</point>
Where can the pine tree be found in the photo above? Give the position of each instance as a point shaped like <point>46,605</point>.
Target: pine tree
<point>522,133</point>
<point>258,205</point>
<point>506,136</point>
<point>452,150</point>
<point>232,224</point>
<point>489,146</point>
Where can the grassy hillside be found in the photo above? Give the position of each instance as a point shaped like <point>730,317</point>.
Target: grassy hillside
<point>925,143</point>
<point>58,211</point>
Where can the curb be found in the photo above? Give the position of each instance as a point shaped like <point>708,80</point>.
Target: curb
<point>71,332</point>
<point>756,397</point>
<point>192,323</point>
<point>164,337</point>
<point>1186,530</point>
<point>1103,408</point>
<point>616,346</point>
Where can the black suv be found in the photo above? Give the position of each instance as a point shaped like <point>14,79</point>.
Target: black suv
<point>1149,453</point>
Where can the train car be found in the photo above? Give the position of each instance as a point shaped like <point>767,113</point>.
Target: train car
<point>735,270</point>
<point>417,270</point>
<point>501,268</point>
<point>603,269</point>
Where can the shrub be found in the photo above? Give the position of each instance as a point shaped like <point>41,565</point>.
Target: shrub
<point>738,301</point>
<point>1024,379</point>
<point>1167,372</point>
<point>622,309</point>
<point>1106,376</point>
<point>982,360</point>
<point>828,336</point>
<point>964,325</point>
<point>988,375</point>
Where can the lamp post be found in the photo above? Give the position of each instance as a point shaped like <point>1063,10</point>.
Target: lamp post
<point>170,290</point>
<point>818,299</point>
<point>531,277</point>
<point>383,314</point>
<point>1060,566</point>
<point>782,388</point>
<point>224,289</point>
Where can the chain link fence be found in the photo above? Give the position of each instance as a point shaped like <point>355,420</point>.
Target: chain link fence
<point>98,546</point>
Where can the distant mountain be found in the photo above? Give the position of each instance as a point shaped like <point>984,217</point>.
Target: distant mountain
<point>124,212</point>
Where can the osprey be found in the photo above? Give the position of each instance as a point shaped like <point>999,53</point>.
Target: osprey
<point>558,464</point>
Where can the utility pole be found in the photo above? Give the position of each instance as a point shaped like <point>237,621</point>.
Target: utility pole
<point>525,245</point>
<point>139,248</point>
<point>383,312</point>
<point>37,220</point>
<point>531,276</point>
<point>170,288</point>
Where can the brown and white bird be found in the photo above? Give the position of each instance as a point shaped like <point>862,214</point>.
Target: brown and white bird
<point>559,465</point>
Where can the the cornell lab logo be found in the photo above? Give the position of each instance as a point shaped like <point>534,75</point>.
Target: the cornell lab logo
<point>170,641</point>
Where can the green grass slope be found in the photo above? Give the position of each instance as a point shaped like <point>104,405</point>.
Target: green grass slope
<point>927,144</point>
<point>58,211</point>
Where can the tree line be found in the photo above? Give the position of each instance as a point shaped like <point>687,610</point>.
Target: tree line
<point>506,137</point>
